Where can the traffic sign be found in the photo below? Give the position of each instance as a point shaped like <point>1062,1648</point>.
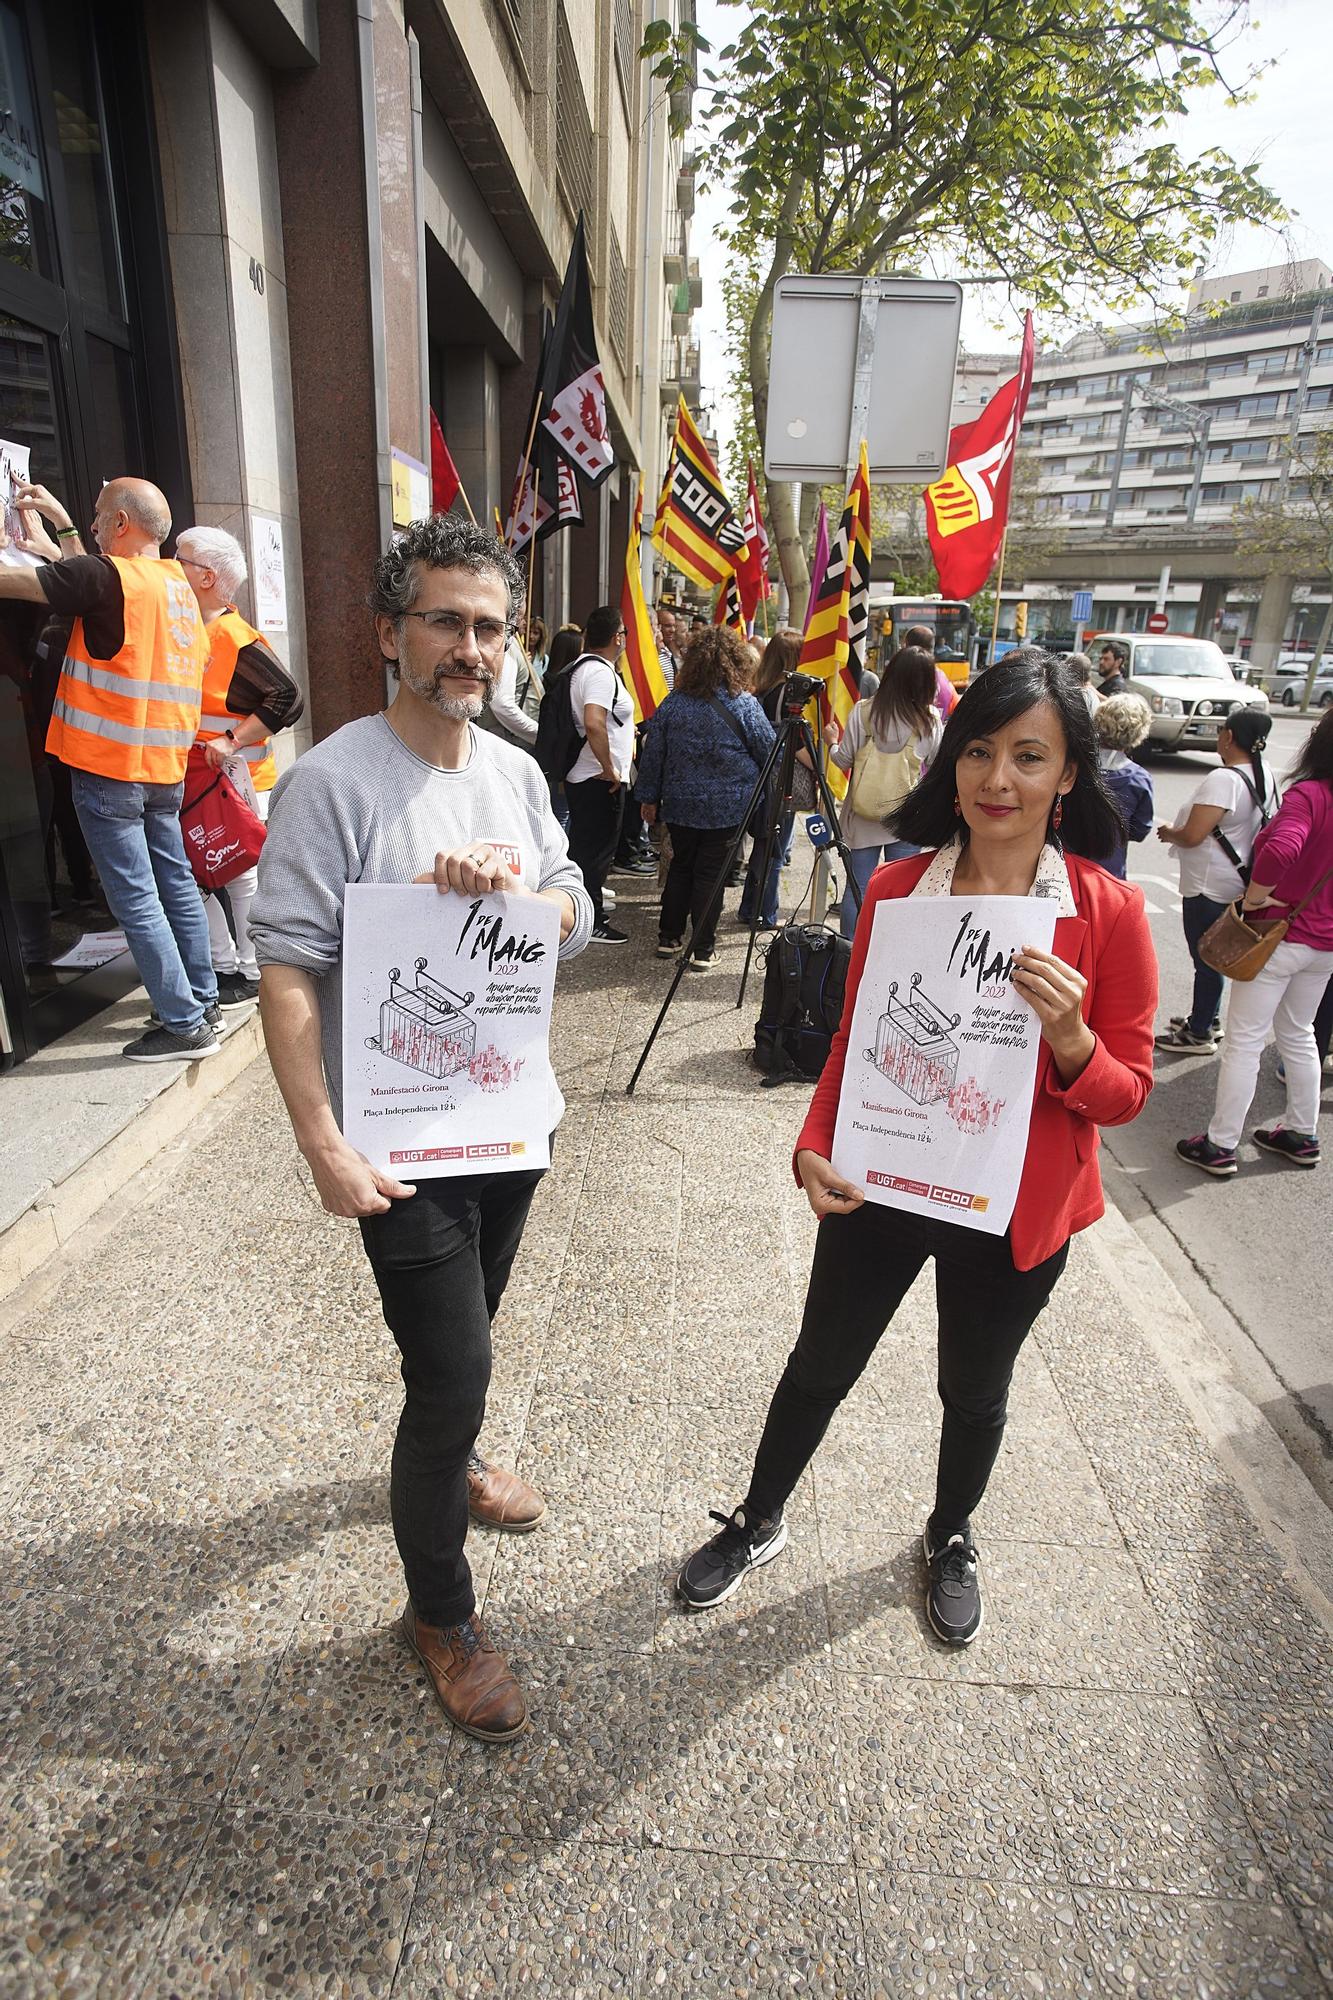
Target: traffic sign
<point>1158,622</point>
<point>1082,606</point>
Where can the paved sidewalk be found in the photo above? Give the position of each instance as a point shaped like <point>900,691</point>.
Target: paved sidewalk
<point>220,1770</point>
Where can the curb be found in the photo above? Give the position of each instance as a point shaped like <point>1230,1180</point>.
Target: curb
<point>59,1211</point>
<point>1288,1510</point>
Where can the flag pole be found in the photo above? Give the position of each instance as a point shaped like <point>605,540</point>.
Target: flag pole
<point>763,606</point>
<point>532,555</point>
<point>462,494</point>
<point>999,585</point>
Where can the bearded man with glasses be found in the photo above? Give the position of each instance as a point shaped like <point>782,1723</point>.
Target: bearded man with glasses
<point>418,794</point>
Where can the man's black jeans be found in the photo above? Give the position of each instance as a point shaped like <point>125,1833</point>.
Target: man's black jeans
<point>595,815</point>
<point>865,1263</point>
<point>441,1260</point>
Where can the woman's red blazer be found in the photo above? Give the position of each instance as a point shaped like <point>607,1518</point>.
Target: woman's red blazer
<point>1110,944</point>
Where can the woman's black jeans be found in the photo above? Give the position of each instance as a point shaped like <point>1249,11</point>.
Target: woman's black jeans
<point>442,1259</point>
<point>865,1263</point>
<point>698,855</point>
<point>1198,914</point>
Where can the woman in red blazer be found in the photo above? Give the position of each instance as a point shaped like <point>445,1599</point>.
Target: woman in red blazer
<point>1014,804</point>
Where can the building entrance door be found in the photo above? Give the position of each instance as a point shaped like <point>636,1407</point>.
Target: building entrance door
<point>80,259</point>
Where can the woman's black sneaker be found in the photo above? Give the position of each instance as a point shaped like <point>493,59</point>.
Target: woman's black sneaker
<point>608,934</point>
<point>235,990</point>
<point>716,1570</point>
<point>953,1594</point>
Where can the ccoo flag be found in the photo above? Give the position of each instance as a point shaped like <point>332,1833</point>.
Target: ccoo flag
<point>696,528</point>
<point>642,667</point>
<point>835,636</point>
<point>967,508</point>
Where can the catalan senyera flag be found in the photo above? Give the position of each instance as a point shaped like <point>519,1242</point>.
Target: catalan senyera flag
<point>641,667</point>
<point>967,507</point>
<point>835,637</point>
<point>696,527</point>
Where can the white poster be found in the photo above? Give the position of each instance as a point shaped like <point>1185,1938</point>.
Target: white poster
<point>14,459</point>
<point>937,1090</point>
<point>270,573</point>
<point>446,1029</point>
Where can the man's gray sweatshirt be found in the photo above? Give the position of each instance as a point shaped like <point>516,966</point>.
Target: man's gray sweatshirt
<point>361,807</point>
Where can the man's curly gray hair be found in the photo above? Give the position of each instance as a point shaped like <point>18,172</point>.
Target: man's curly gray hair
<point>442,541</point>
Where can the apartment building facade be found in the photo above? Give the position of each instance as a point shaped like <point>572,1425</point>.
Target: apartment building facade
<point>249,244</point>
<point>1145,445</point>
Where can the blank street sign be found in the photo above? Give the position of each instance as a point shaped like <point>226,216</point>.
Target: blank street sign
<point>907,398</point>
<point>1082,607</point>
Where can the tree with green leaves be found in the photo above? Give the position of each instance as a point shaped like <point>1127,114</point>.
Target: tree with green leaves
<point>1028,139</point>
<point>1293,536</point>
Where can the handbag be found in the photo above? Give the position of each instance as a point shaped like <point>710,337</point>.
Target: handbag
<point>1241,951</point>
<point>223,836</point>
<point>881,779</point>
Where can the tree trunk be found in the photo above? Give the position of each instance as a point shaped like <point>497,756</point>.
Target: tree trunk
<point>781,498</point>
<point>1325,632</point>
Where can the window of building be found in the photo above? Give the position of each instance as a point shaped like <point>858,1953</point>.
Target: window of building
<point>1263,291</point>
<point>1093,385</point>
<point>1318,399</point>
<point>1323,354</point>
<point>617,295</point>
<point>1082,503</point>
<point>1235,298</point>
<point>1249,407</point>
<point>1271,364</point>
<point>1235,364</point>
<point>573,127</point>
<point>1169,455</point>
<point>1060,392</point>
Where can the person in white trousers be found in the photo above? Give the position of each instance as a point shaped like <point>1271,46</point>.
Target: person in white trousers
<point>1291,875</point>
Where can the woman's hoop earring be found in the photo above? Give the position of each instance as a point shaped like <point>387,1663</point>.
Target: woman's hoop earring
<point>1059,812</point>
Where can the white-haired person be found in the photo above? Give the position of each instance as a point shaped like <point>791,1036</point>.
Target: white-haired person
<point>1122,722</point>
<point>248,696</point>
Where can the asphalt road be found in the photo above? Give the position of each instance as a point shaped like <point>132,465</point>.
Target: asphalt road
<point>1251,1254</point>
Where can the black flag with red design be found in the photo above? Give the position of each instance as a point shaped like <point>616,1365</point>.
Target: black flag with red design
<point>572,390</point>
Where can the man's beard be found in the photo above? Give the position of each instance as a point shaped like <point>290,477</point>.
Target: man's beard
<point>438,691</point>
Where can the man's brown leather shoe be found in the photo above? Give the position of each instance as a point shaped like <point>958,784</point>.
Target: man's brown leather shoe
<point>501,1499</point>
<point>472,1683</point>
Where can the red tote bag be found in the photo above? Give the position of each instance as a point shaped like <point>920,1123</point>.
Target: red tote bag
<point>223,835</point>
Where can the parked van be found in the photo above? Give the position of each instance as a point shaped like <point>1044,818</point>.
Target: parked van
<point>1187,683</point>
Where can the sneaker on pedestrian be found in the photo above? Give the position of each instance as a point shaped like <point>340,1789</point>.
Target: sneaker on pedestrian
<point>717,1570</point>
<point>704,961</point>
<point>235,990</point>
<point>1219,1161</point>
<point>670,947</point>
<point>644,867</point>
<point>1183,1021</point>
<point>162,1045</point>
<point>1182,1037</point>
<point>212,1018</point>
<point>1301,1148</point>
<point>953,1592</point>
<point>605,933</point>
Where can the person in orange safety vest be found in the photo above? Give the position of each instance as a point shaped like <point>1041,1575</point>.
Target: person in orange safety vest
<point>125,716</point>
<point>247,695</point>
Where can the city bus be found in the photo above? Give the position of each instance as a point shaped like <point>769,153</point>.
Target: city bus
<point>949,619</point>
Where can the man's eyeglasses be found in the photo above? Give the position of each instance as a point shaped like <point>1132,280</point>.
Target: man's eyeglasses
<point>489,633</point>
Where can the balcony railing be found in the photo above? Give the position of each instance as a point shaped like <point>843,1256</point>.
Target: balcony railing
<point>680,369</point>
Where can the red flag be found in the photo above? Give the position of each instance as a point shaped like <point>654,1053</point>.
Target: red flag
<point>968,505</point>
<point>729,610</point>
<point>752,566</point>
<point>444,480</point>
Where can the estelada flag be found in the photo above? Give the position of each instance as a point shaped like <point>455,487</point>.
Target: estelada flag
<point>642,668</point>
<point>444,480</point>
<point>752,569</point>
<point>968,505</point>
<point>571,386</point>
<point>696,527</point>
<point>835,637</point>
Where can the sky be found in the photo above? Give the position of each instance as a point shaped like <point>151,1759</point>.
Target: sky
<point>1288,129</point>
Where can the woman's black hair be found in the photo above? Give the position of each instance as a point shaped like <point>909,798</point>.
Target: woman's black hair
<point>906,695</point>
<point>1091,824</point>
<point>1315,763</point>
<point>565,649</point>
<point>1249,727</point>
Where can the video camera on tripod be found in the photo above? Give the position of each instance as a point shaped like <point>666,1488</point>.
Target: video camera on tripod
<point>798,691</point>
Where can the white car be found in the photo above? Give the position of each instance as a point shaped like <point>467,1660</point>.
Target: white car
<point>1286,681</point>
<point>1186,682</point>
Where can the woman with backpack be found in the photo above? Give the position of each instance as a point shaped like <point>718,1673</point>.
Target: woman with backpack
<point>702,754</point>
<point>781,656</point>
<point>1014,804</point>
<point>1213,836</point>
<point>1291,876</point>
<point>886,744</point>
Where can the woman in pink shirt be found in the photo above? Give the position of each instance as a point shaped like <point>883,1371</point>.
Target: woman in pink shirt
<point>1293,856</point>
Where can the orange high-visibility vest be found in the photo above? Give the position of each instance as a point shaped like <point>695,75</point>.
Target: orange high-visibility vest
<point>134,717</point>
<point>228,633</point>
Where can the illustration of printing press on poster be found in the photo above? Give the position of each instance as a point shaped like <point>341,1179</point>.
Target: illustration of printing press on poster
<point>425,1025</point>
<point>914,1045</point>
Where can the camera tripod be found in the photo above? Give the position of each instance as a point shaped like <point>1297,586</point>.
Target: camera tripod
<point>794,733</point>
